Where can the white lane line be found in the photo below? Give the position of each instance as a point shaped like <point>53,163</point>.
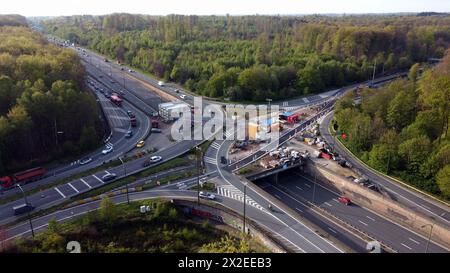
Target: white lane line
<point>406,246</point>
<point>412,240</point>
<point>299,209</point>
<point>60,192</point>
<point>307,185</point>
<point>299,188</point>
<point>335,200</point>
<point>370,218</point>
<point>101,181</point>
<point>363,223</point>
<point>332,230</point>
<point>75,189</point>
<point>277,196</point>
<point>82,180</point>
<point>107,172</point>
<point>328,204</point>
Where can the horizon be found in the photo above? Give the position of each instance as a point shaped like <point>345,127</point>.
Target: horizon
<point>54,8</point>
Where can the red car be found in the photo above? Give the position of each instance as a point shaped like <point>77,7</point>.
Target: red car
<point>344,200</point>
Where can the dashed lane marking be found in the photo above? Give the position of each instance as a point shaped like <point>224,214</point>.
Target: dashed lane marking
<point>82,180</point>
<point>60,192</point>
<point>101,181</point>
<point>75,189</point>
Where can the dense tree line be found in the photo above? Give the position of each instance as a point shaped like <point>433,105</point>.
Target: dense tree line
<point>403,129</point>
<point>254,57</point>
<point>41,94</point>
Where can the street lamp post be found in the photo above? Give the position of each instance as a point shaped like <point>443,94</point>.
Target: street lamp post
<point>57,133</point>
<point>429,236</point>
<point>245,199</point>
<point>125,174</point>
<point>26,203</point>
<point>314,187</point>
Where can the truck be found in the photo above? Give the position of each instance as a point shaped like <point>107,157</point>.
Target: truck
<point>133,122</point>
<point>116,99</point>
<point>27,176</point>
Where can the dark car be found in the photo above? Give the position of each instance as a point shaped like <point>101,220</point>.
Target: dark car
<point>129,134</point>
<point>109,177</point>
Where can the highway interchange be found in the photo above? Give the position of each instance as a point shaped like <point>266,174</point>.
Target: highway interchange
<point>289,213</point>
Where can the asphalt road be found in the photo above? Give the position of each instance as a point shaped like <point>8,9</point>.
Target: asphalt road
<point>407,197</point>
<point>293,184</point>
<point>301,241</point>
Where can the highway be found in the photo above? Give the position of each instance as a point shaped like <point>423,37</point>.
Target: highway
<point>119,124</point>
<point>407,197</point>
<point>297,242</point>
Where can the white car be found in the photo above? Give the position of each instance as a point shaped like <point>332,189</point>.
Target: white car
<point>160,83</point>
<point>183,96</point>
<point>207,195</point>
<point>85,161</point>
<point>107,150</point>
<point>155,158</point>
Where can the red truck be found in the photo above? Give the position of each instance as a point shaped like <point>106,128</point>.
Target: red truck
<point>22,177</point>
<point>116,99</point>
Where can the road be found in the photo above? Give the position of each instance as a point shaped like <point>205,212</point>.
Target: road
<point>293,187</point>
<point>301,241</point>
<point>407,197</point>
<point>118,121</point>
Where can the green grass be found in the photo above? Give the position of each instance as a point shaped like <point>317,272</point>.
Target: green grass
<point>208,186</point>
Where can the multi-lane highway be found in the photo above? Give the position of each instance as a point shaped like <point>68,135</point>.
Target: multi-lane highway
<point>399,193</point>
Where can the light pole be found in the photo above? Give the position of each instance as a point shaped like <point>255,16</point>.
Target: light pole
<point>245,199</point>
<point>429,236</point>
<point>26,203</point>
<point>125,174</point>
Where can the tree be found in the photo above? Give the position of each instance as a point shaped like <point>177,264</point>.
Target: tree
<point>401,110</point>
<point>415,152</point>
<point>443,180</point>
<point>414,72</point>
<point>108,211</point>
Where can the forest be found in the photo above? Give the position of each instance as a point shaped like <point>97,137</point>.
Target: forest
<point>45,112</point>
<point>403,129</point>
<point>250,58</point>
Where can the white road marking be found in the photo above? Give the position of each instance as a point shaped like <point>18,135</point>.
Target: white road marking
<point>307,185</point>
<point>75,189</point>
<point>332,230</point>
<point>305,100</point>
<point>363,223</point>
<point>299,209</point>
<point>82,180</point>
<point>107,172</point>
<point>328,204</point>
<point>370,218</point>
<point>299,188</point>
<point>412,240</point>
<point>60,192</point>
<point>101,181</point>
<point>406,246</point>
<point>277,196</point>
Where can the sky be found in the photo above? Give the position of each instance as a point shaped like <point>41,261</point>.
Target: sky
<point>217,7</point>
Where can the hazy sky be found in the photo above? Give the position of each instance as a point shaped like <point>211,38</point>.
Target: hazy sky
<point>204,7</point>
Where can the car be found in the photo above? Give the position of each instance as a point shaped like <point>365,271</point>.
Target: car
<point>122,68</point>
<point>108,177</point>
<point>100,76</point>
<point>129,134</point>
<point>107,95</point>
<point>151,160</point>
<point>182,96</point>
<point>156,130</point>
<point>155,158</point>
<point>107,150</point>
<point>140,144</point>
<point>207,195</point>
<point>130,114</point>
<point>160,83</point>
<point>131,71</point>
<point>344,200</point>
<point>85,161</point>
<point>177,91</point>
